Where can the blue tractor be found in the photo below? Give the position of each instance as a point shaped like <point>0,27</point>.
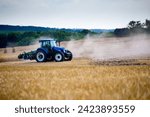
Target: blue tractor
<point>49,51</point>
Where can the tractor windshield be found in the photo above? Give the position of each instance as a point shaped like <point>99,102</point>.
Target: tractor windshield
<point>53,44</point>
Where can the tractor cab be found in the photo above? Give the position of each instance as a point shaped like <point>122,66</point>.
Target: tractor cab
<point>48,43</point>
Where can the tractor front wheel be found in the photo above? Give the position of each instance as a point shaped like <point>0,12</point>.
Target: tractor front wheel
<point>69,58</point>
<point>58,57</point>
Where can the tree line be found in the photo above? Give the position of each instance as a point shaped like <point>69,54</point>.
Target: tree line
<point>134,27</point>
<point>23,38</point>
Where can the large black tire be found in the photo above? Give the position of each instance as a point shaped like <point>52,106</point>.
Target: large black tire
<point>70,57</point>
<point>59,57</point>
<point>20,56</point>
<point>41,56</point>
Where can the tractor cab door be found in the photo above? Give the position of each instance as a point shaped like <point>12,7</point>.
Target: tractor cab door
<point>47,45</point>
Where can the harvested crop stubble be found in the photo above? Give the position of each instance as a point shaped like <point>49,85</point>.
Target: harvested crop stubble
<point>78,79</point>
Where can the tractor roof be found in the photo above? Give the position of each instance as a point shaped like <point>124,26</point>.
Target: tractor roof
<point>46,40</point>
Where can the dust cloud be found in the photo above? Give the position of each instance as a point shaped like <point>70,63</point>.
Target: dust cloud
<point>99,47</point>
<point>111,48</point>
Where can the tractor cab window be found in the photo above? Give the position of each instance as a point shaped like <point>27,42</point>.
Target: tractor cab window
<point>45,44</point>
<point>53,44</point>
<point>48,44</point>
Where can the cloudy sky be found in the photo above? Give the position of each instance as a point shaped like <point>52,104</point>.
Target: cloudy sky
<point>73,13</point>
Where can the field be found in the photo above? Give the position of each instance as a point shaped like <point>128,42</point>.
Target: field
<point>81,78</point>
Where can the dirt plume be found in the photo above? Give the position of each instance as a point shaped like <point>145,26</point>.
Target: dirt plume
<point>111,48</point>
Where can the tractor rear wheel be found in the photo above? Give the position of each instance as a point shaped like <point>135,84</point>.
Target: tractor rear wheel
<point>41,56</point>
<point>58,57</point>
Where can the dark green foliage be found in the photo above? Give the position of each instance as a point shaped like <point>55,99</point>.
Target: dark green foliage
<point>147,24</point>
<point>13,36</point>
<point>23,28</point>
<point>122,32</point>
<point>22,38</point>
<point>3,40</point>
<point>85,31</point>
<point>134,27</point>
<point>25,41</point>
<point>25,35</point>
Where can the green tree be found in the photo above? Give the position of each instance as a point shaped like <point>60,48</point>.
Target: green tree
<point>85,31</point>
<point>147,24</point>
<point>135,24</point>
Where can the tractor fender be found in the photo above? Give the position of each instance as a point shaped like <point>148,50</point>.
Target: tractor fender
<point>58,49</point>
<point>55,51</point>
<point>43,49</point>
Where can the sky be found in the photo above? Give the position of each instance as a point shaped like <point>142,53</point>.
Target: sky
<point>90,14</point>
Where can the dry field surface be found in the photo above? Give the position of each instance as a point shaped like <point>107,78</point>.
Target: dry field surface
<point>80,78</point>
